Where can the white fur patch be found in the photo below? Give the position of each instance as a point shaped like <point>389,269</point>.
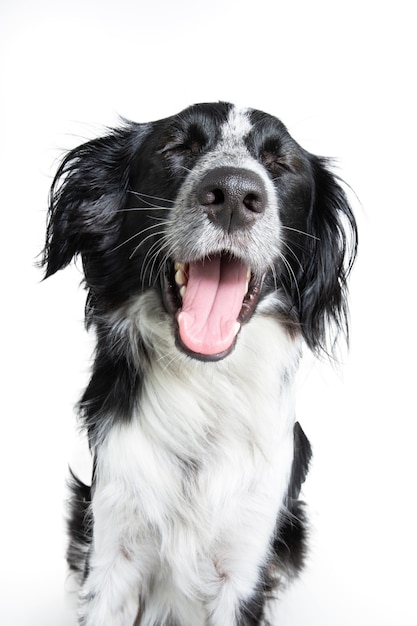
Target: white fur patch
<point>237,127</point>
<point>189,491</point>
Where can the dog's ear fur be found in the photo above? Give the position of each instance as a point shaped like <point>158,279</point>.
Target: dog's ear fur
<point>90,186</point>
<point>326,260</point>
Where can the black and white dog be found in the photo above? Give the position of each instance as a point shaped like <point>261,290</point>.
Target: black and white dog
<point>212,245</point>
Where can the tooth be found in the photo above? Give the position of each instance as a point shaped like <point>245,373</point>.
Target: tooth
<point>180,277</point>
<point>182,291</point>
<point>236,328</point>
<point>179,266</point>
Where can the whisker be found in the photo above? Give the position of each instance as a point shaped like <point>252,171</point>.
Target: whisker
<point>292,275</point>
<point>150,257</point>
<point>274,275</point>
<point>301,232</point>
<point>299,246</point>
<point>166,247</point>
<point>187,169</point>
<point>160,219</point>
<point>155,234</point>
<point>145,195</point>
<point>161,265</point>
<point>140,232</point>
<point>151,271</point>
<point>146,208</point>
<point>293,254</point>
<point>163,261</point>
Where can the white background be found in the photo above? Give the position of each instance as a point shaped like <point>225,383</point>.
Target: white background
<point>342,76</point>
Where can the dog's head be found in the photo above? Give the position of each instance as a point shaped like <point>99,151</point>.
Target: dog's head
<point>216,207</point>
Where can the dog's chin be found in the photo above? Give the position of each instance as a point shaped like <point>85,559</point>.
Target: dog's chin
<point>209,301</point>
<point>199,356</point>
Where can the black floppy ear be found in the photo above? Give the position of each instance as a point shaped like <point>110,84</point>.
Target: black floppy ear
<point>90,186</point>
<point>327,258</point>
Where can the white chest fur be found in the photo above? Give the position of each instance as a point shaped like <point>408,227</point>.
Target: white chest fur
<point>189,491</point>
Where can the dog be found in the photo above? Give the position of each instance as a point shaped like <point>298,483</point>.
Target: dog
<point>213,247</point>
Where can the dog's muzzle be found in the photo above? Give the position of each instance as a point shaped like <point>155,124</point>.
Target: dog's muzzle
<point>210,297</point>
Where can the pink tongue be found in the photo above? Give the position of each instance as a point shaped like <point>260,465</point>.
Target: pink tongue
<point>212,302</point>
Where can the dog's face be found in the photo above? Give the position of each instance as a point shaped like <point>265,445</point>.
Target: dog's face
<point>216,207</point>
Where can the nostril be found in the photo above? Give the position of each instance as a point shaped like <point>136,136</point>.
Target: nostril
<point>253,202</point>
<point>210,197</point>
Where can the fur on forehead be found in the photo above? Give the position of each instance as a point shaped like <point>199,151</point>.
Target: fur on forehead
<point>238,125</point>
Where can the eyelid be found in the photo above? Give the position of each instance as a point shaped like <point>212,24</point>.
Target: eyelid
<point>172,145</point>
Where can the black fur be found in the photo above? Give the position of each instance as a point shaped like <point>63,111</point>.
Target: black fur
<point>79,524</point>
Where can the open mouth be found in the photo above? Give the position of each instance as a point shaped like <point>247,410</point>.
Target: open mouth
<point>210,299</point>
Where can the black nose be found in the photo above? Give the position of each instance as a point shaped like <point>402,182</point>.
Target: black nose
<point>232,197</point>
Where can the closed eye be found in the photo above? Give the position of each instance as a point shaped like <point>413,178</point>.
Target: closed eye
<point>182,149</point>
<point>173,147</point>
<point>275,163</point>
